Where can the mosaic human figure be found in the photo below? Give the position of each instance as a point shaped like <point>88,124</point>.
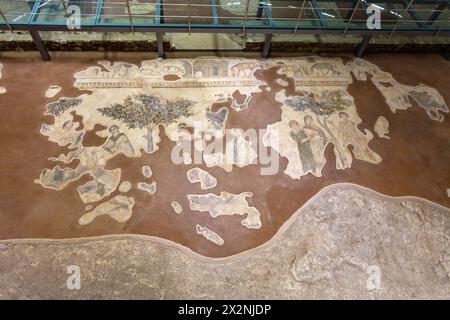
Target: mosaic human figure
<point>307,138</point>
<point>317,139</point>
<point>118,142</point>
<point>350,135</point>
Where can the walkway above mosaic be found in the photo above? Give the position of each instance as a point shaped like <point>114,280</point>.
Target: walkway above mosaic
<point>215,154</point>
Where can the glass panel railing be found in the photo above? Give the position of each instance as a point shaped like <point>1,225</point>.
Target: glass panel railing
<point>57,12</point>
<point>16,12</point>
<point>289,15</point>
<point>234,13</point>
<point>188,12</point>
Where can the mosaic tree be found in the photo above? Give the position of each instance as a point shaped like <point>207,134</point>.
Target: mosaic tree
<point>323,107</point>
<point>62,105</point>
<point>141,110</point>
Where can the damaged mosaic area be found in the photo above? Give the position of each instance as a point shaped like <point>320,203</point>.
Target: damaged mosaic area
<point>310,258</point>
<point>137,106</point>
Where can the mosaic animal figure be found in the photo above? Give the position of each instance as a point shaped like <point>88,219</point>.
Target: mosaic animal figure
<point>325,69</point>
<point>244,69</point>
<point>117,69</point>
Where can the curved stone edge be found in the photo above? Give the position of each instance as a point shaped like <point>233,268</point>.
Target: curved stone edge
<point>192,254</point>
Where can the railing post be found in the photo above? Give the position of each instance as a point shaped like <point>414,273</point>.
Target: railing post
<point>189,19</point>
<point>401,18</point>
<point>40,45</point>
<point>65,8</point>
<point>129,16</point>
<point>351,18</point>
<point>245,17</point>
<point>299,16</point>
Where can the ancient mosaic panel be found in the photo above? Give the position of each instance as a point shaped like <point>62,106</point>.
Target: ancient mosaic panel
<point>138,105</point>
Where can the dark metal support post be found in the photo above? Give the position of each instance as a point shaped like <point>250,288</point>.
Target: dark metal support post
<point>40,45</point>
<point>267,44</point>
<point>159,41</point>
<point>363,46</point>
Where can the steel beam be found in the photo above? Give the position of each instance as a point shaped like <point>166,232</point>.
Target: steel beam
<point>415,16</point>
<point>267,45</point>
<point>40,45</point>
<point>363,46</point>
<point>436,13</point>
<point>159,41</point>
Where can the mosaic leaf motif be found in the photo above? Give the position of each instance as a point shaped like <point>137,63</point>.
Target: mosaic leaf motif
<point>62,105</point>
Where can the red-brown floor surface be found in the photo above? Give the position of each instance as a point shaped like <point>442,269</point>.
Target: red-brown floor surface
<point>415,160</point>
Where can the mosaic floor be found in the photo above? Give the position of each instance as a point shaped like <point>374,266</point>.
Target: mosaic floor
<point>214,154</point>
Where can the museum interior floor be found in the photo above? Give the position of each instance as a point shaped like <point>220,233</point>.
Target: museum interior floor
<point>328,165</point>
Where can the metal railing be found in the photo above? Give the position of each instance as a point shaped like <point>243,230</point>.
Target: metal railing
<point>400,16</point>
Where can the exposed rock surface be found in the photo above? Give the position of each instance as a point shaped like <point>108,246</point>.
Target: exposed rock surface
<point>328,249</point>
